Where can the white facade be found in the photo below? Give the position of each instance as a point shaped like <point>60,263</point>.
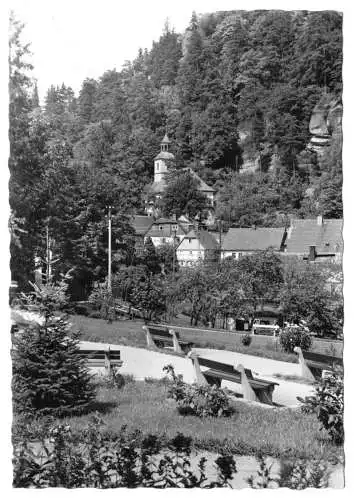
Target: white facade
<point>161,240</point>
<point>234,255</point>
<point>160,170</point>
<point>190,252</point>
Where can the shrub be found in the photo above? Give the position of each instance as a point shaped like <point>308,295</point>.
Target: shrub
<point>114,380</point>
<point>295,336</point>
<point>49,374</point>
<point>328,404</point>
<point>202,401</point>
<point>246,339</point>
<point>91,459</point>
<point>103,301</point>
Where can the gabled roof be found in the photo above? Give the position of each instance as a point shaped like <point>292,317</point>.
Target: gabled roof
<point>325,236</point>
<point>250,239</point>
<point>141,223</point>
<point>202,185</point>
<point>207,241</point>
<point>166,230</point>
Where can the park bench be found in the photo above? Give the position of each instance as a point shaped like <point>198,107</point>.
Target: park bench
<point>102,357</point>
<point>160,336</point>
<point>253,389</point>
<point>313,364</point>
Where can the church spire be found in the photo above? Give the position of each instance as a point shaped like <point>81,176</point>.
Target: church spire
<point>165,142</point>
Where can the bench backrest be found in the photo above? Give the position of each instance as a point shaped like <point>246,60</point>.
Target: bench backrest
<point>161,331</point>
<point>100,353</point>
<point>223,367</point>
<point>322,358</point>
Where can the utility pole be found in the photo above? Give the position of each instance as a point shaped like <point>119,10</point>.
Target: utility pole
<point>174,253</point>
<point>48,271</point>
<point>220,243</point>
<point>109,249</point>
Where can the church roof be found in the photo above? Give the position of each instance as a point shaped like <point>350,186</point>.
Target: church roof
<point>164,155</point>
<point>158,187</point>
<point>202,185</point>
<point>165,140</point>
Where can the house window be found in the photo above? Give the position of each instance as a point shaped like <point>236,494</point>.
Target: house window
<point>174,228</point>
<point>163,240</point>
<point>233,255</point>
<point>190,253</point>
<point>161,228</point>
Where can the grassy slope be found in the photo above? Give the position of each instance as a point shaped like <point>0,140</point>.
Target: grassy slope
<point>128,332</point>
<point>276,432</point>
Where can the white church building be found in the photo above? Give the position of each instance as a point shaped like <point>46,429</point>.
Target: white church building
<point>163,163</point>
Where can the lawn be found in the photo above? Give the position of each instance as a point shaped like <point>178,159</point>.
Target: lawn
<point>275,432</point>
<point>129,332</point>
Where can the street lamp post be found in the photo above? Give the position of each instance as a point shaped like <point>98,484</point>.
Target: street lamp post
<point>174,252</point>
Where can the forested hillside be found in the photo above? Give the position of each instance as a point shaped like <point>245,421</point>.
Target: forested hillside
<point>235,88</point>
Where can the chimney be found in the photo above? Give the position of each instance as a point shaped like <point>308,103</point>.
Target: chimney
<point>312,253</point>
<point>174,217</point>
<point>319,220</point>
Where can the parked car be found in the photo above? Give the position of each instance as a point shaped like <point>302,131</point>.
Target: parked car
<point>260,327</point>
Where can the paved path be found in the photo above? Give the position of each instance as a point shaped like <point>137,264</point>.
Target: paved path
<point>143,363</point>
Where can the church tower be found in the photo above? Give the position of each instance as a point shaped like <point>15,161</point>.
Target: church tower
<point>162,160</point>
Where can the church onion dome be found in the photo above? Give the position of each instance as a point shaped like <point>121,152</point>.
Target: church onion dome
<point>165,140</point>
<point>164,155</point>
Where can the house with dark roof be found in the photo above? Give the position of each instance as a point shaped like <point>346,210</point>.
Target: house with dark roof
<point>242,240</point>
<point>166,230</point>
<point>195,247</point>
<point>141,224</point>
<point>315,239</point>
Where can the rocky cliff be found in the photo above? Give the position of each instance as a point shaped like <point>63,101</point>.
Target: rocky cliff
<point>325,122</point>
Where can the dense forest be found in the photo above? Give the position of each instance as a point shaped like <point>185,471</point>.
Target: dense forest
<point>236,87</point>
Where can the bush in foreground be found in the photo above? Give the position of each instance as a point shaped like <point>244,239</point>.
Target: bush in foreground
<point>328,404</point>
<point>91,460</point>
<point>202,401</point>
<point>295,336</point>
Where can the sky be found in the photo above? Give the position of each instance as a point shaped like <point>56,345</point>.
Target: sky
<point>75,39</point>
<point>72,40</point>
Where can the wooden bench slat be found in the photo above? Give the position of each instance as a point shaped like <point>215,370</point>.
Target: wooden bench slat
<point>216,365</point>
<point>163,335</point>
<point>255,383</point>
<point>321,358</point>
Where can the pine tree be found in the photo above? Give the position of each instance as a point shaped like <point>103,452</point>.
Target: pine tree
<point>50,377</point>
